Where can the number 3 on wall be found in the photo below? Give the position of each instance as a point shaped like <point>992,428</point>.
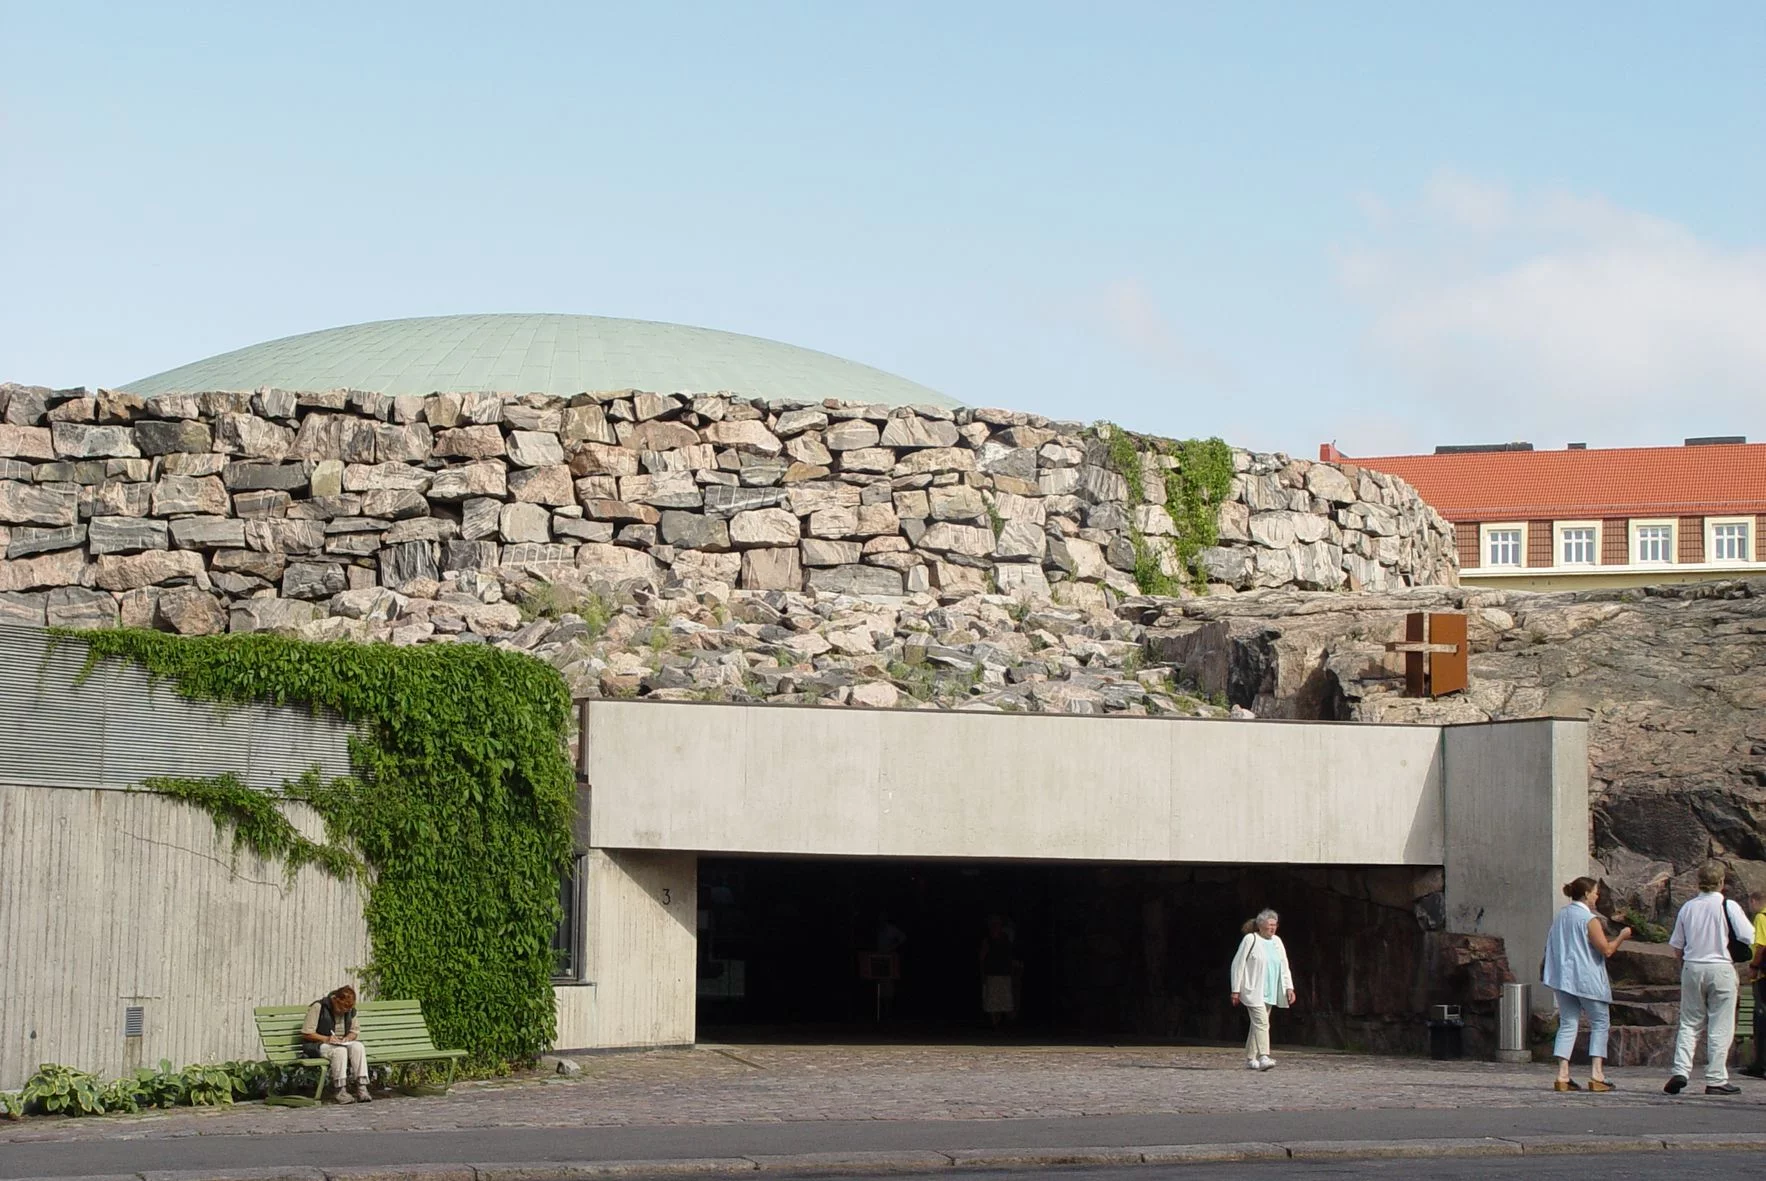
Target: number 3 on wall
<point>667,897</point>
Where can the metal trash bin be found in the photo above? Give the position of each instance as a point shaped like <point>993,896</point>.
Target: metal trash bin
<point>1511,1025</point>
<point>1447,1039</point>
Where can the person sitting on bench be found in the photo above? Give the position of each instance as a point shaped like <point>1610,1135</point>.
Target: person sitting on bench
<point>330,1032</point>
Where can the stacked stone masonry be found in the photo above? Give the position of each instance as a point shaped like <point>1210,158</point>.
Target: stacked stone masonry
<point>229,511</point>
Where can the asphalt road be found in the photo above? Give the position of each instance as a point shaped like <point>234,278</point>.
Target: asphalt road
<point>516,1144</point>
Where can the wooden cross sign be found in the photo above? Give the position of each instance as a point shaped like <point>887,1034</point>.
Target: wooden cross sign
<point>1434,648</point>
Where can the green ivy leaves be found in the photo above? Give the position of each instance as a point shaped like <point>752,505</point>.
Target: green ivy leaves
<point>1194,491</point>
<point>458,807</point>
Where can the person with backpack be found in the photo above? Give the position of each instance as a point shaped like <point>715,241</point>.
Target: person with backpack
<point>1704,930</point>
<point>330,1033</point>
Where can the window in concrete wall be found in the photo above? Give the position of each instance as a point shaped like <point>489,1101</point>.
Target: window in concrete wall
<point>568,937</point>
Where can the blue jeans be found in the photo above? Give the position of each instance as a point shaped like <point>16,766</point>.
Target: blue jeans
<point>1570,1011</point>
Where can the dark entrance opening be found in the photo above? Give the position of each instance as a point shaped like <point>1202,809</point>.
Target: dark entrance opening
<point>799,948</point>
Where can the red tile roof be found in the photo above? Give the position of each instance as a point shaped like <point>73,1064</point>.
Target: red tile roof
<point>1710,480</point>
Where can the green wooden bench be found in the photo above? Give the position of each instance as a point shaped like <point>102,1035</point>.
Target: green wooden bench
<point>1744,1020</point>
<point>393,1034</point>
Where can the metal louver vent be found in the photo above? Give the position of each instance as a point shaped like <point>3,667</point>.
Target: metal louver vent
<point>134,1020</point>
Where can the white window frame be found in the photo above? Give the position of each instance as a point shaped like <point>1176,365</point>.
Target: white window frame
<point>1753,546</point>
<point>1558,529</point>
<point>1484,532</point>
<point>1634,554</point>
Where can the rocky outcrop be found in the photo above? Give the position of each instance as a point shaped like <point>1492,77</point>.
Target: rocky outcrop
<point>1670,679</point>
<point>302,497</point>
<point>710,546</point>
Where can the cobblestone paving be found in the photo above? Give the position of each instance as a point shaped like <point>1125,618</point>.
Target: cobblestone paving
<point>750,1083</point>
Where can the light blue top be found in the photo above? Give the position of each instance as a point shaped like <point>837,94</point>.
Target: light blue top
<point>1572,964</point>
<point>1272,973</point>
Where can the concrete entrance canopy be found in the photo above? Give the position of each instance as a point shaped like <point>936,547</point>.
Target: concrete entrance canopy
<point>1503,807</point>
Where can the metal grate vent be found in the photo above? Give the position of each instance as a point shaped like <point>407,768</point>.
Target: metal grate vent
<point>134,1020</point>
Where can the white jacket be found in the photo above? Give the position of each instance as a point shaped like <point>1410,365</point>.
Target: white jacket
<point>1250,966</point>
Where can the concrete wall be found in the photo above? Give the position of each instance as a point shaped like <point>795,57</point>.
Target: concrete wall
<point>931,784</point>
<point>116,726</point>
<point>110,899</point>
<point>1517,830</point>
<point>642,947</point>
<point>1503,806</point>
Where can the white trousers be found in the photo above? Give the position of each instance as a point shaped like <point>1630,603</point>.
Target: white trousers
<point>1707,1006</point>
<point>352,1054</point>
<point>1257,1041</point>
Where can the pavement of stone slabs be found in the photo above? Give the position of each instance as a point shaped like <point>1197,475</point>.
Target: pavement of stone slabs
<point>899,1109</point>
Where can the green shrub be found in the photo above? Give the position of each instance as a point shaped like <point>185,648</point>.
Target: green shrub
<point>62,1090</point>
<point>550,600</point>
<point>253,1079</point>
<point>1643,928</point>
<point>208,1085</point>
<point>12,1105</point>
<point>121,1095</point>
<point>164,1087</point>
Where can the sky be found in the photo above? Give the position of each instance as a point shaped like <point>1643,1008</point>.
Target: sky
<point>1389,226</point>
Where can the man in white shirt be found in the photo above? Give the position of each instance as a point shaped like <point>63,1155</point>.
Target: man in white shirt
<point>1708,982</point>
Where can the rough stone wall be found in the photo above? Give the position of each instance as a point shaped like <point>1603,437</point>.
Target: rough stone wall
<point>206,512</point>
<point>1670,679</point>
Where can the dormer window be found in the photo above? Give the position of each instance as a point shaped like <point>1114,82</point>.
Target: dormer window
<point>1731,541</point>
<point>1654,544</point>
<point>1578,544</point>
<point>1504,545</point>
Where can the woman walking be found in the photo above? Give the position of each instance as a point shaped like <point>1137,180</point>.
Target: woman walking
<point>1575,968</point>
<point>1261,979</point>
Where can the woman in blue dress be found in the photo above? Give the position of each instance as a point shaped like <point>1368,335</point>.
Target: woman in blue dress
<point>1576,953</point>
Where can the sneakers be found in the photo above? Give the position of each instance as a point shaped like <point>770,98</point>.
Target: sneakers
<point>362,1095</point>
<point>339,1095</point>
<point>1251,1064</point>
<point>1675,1085</point>
<point>1723,1089</point>
<point>1265,1062</point>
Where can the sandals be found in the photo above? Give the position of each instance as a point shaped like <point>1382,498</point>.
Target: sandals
<point>1600,1084</point>
<point>1565,1084</point>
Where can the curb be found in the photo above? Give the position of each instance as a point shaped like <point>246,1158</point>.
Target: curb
<point>929,1161</point>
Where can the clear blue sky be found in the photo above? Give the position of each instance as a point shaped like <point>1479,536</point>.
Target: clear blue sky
<point>1386,224</point>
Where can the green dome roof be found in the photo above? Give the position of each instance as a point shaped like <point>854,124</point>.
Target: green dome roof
<point>547,354</point>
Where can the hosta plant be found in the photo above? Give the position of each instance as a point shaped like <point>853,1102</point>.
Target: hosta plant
<point>207,1085</point>
<point>164,1087</point>
<point>124,1094</point>
<point>62,1090</point>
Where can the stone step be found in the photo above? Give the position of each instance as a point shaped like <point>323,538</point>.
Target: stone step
<point>1644,963</point>
<point>1647,994</point>
<point>1640,1045</point>
<point>1645,1013</point>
